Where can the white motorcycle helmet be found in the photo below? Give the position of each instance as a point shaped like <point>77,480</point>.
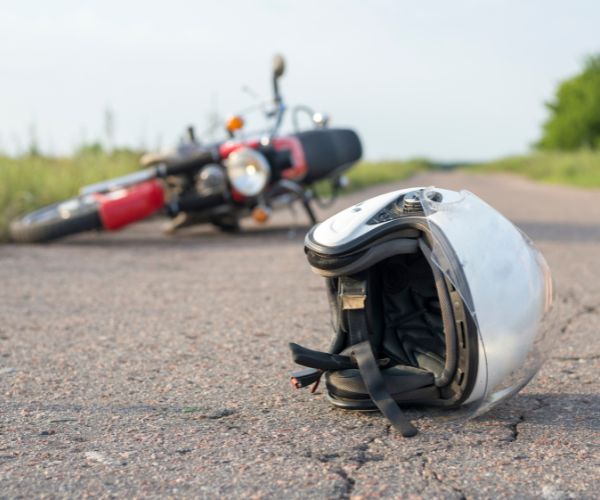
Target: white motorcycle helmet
<point>436,299</point>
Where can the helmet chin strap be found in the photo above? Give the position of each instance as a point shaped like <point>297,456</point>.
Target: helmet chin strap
<point>353,297</point>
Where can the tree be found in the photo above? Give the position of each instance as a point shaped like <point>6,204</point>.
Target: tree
<point>574,121</point>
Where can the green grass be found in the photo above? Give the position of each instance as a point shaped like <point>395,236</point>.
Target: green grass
<point>580,168</point>
<point>31,182</point>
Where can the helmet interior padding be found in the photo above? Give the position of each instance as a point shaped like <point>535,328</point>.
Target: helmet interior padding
<point>406,329</point>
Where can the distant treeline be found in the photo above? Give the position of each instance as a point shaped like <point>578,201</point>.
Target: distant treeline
<point>574,121</point>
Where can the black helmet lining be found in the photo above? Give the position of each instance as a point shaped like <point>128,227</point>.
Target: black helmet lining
<point>413,312</point>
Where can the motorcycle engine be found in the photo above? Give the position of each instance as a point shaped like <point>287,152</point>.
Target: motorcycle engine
<point>211,180</point>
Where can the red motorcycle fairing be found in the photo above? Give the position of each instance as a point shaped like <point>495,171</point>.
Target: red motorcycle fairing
<point>299,166</point>
<point>124,206</point>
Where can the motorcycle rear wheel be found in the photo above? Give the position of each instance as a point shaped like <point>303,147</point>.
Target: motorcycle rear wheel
<point>64,218</point>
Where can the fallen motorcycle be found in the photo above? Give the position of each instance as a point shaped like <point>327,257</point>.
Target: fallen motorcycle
<point>221,183</point>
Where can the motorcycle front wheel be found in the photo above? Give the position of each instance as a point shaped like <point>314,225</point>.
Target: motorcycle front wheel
<point>64,218</point>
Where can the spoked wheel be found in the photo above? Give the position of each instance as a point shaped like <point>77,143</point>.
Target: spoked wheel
<point>55,221</point>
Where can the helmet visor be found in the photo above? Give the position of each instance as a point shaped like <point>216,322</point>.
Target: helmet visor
<point>505,283</point>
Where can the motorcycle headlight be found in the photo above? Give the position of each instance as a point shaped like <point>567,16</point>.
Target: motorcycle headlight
<point>248,171</point>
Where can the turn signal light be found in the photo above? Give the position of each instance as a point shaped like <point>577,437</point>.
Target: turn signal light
<point>261,214</point>
<point>234,123</point>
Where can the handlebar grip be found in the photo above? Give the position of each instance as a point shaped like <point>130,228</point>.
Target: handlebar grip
<point>177,167</point>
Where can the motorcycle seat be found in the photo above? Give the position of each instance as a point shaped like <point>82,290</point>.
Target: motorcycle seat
<point>329,151</point>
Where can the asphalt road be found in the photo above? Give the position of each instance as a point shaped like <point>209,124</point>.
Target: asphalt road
<point>137,364</point>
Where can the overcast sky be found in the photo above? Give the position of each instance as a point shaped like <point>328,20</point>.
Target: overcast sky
<point>450,80</point>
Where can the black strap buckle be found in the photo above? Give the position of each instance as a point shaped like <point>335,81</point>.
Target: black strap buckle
<point>353,293</point>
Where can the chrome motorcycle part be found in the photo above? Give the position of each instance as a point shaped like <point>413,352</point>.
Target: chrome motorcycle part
<point>320,120</point>
<point>212,179</point>
<point>248,171</point>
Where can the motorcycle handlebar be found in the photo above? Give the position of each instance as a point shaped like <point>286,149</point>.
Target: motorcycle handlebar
<point>178,167</point>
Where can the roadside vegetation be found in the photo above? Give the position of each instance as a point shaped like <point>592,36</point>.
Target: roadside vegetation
<point>577,168</point>
<point>574,113</point>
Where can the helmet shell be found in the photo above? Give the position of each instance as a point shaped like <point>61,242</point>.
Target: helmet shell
<point>502,278</point>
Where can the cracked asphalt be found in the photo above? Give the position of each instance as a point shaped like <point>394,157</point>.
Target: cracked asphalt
<point>135,364</point>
